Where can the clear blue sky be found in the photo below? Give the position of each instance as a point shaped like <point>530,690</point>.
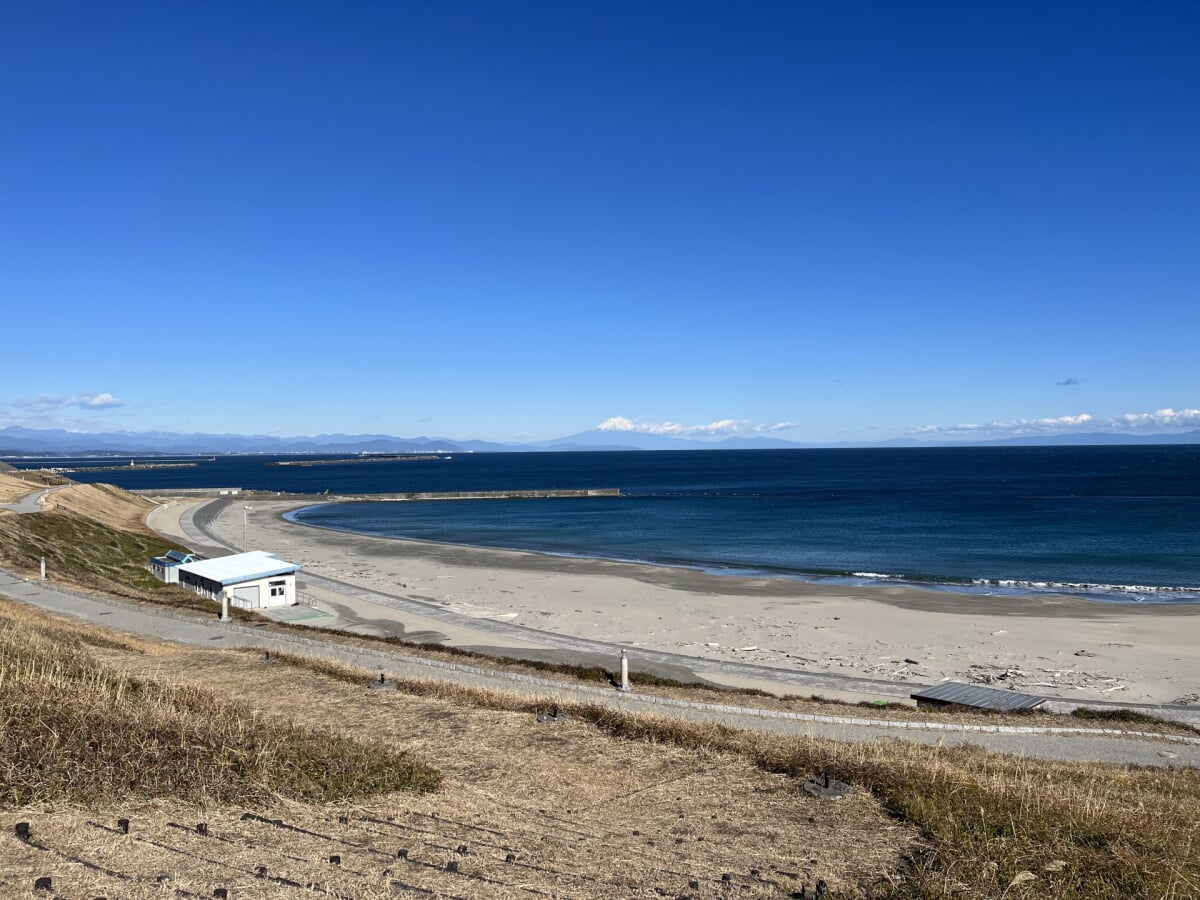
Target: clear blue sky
<point>520,219</point>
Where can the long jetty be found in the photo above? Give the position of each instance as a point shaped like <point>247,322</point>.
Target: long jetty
<point>132,467</point>
<point>485,495</point>
<point>414,496</point>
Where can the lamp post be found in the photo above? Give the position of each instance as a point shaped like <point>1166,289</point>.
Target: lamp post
<point>245,520</point>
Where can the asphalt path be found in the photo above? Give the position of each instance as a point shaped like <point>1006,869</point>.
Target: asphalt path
<point>30,503</point>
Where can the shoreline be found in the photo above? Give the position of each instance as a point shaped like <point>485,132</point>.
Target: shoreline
<point>1055,646</point>
<point>972,591</point>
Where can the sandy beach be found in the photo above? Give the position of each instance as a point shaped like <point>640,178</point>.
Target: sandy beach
<point>1054,645</point>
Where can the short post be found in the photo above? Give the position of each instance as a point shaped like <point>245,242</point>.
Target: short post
<point>224,606</point>
<point>624,672</point>
<point>43,568</point>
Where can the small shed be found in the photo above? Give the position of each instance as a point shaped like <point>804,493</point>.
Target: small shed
<point>955,693</point>
<point>253,580</point>
<point>167,566</point>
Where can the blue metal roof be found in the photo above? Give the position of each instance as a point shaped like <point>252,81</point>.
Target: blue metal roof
<point>240,567</point>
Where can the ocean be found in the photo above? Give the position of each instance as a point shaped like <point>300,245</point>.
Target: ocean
<point>1117,524</point>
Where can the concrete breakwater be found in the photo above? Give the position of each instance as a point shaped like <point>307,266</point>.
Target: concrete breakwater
<point>416,496</point>
<point>412,457</point>
<point>132,467</point>
<point>482,495</point>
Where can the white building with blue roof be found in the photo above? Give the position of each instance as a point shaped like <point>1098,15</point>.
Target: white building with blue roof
<point>253,580</point>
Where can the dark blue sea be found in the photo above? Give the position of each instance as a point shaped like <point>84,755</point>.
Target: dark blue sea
<point>1110,523</point>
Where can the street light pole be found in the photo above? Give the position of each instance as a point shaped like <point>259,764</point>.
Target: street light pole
<point>245,520</point>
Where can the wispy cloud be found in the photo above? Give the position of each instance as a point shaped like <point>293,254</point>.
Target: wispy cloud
<point>87,411</point>
<point>722,428</point>
<point>83,400</point>
<point>1067,382</point>
<point>1159,420</point>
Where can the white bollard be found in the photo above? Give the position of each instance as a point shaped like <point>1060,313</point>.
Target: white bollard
<point>224,607</point>
<point>43,568</point>
<point>624,672</point>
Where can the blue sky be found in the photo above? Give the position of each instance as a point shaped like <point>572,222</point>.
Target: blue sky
<point>519,220</point>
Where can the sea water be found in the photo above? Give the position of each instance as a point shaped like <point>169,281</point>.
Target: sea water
<point>1111,523</point>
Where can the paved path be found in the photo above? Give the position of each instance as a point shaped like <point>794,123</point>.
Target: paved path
<point>31,503</point>
<point>1051,743</point>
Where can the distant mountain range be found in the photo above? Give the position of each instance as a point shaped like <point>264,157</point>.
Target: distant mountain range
<point>18,441</point>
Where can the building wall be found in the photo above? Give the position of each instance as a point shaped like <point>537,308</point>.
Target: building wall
<point>259,593</point>
<point>169,574</point>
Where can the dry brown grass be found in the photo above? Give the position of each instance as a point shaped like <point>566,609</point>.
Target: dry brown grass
<point>630,815</point>
<point>76,731</point>
<point>13,487</point>
<point>27,480</point>
<point>997,826</point>
<point>105,504</point>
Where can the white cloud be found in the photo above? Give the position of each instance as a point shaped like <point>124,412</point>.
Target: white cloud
<point>1160,420</point>
<point>722,428</point>
<point>83,400</point>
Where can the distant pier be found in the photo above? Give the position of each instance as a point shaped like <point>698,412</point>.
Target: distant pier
<point>482,495</point>
<point>412,457</point>
<point>416,496</point>
<point>132,467</point>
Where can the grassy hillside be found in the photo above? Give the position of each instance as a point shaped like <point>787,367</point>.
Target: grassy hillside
<point>85,552</point>
<point>78,732</point>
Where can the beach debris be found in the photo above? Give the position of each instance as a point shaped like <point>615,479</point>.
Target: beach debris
<point>749,649</point>
<point>1055,866</point>
<point>712,644</point>
<point>45,883</point>
<point>1084,653</point>
<point>1187,699</point>
<point>1020,679</point>
<point>912,662</point>
<point>1001,631</point>
<point>900,674</point>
